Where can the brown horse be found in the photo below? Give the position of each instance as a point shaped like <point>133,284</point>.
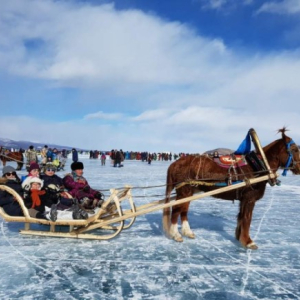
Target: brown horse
<point>280,153</point>
<point>16,156</point>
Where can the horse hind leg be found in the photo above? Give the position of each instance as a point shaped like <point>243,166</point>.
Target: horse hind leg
<point>243,224</point>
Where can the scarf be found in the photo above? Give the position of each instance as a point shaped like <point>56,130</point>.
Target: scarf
<point>35,197</point>
<point>78,178</point>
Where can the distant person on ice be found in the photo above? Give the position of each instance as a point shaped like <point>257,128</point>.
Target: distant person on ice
<point>31,157</point>
<point>103,159</point>
<point>118,158</point>
<point>74,155</point>
<point>79,188</point>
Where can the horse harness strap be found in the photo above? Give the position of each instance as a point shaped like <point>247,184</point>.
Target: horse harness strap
<point>290,157</point>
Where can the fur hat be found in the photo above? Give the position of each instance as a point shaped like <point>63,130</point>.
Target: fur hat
<point>8,169</point>
<point>26,184</point>
<point>34,166</point>
<point>77,166</point>
<point>36,180</point>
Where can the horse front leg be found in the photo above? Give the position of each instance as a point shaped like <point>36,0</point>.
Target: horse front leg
<point>174,233</point>
<point>244,219</point>
<point>185,226</point>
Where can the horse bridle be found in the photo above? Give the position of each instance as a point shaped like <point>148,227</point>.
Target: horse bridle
<point>290,157</point>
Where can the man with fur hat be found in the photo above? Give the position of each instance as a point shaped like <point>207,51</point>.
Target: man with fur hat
<point>79,188</point>
<point>7,200</point>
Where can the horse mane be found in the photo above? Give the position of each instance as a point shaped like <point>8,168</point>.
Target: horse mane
<point>283,138</point>
<point>283,130</point>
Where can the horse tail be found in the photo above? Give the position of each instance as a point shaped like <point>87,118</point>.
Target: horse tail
<point>167,211</point>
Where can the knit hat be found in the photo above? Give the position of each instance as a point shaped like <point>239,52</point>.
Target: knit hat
<point>50,165</point>
<point>77,166</point>
<point>8,169</point>
<point>34,166</point>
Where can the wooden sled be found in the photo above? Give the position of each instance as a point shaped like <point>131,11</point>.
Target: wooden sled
<point>79,228</point>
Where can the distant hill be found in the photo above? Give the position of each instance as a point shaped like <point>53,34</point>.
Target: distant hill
<point>7,143</point>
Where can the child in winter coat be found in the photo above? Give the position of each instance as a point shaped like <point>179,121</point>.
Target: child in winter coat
<point>36,200</point>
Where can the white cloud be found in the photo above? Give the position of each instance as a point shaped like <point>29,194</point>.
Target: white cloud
<point>92,45</point>
<point>156,85</point>
<point>215,4</point>
<point>104,116</point>
<point>152,115</point>
<point>223,4</point>
<point>282,8</point>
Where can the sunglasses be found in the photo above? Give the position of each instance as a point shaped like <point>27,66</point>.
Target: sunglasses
<point>11,173</point>
<point>50,170</point>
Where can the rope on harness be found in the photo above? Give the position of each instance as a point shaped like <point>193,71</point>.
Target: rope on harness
<point>197,182</point>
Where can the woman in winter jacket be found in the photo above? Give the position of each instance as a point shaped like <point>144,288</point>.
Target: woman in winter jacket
<point>54,186</point>
<point>79,188</point>
<point>7,200</point>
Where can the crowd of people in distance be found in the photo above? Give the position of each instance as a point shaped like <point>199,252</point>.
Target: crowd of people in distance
<point>59,157</point>
<point>48,196</point>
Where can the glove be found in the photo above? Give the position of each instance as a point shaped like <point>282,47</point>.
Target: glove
<point>61,189</point>
<point>53,188</point>
<point>99,196</point>
<point>86,189</point>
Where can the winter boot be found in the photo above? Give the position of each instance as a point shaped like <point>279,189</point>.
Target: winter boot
<point>53,213</point>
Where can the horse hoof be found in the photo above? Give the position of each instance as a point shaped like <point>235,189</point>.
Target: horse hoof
<point>190,235</point>
<point>178,238</point>
<point>252,246</point>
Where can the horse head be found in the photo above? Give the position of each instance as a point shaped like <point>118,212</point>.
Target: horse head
<point>290,157</point>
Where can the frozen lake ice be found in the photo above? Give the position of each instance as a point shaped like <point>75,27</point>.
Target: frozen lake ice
<point>141,263</point>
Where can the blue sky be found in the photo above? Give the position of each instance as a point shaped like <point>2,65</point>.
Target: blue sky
<point>149,75</point>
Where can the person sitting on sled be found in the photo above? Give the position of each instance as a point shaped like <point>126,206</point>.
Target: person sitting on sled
<point>79,188</point>
<point>53,185</point>
<point>33,171</point>
<point>36,200</point>
<point>7,201</point>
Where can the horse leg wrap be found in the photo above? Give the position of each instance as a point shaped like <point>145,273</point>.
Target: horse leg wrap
<point>252,246</point>
<point>174,233</point>
<point>186,230</point>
